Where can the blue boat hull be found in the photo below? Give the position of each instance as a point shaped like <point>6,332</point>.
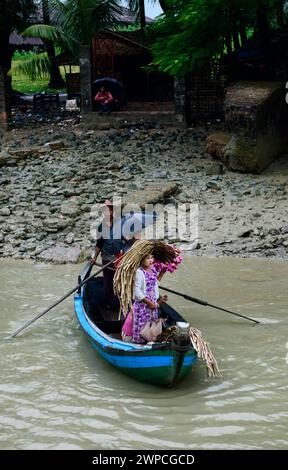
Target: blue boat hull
<point>157,363</point>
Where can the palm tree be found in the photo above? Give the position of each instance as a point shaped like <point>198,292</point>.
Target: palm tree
<point>73,23</point>
<point>56,80</point>
<point>138,7</point>
<point>14,15</point>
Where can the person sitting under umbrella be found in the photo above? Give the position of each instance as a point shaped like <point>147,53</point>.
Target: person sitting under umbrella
<point>104,99</point>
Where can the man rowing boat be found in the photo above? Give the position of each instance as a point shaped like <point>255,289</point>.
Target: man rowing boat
<point>110,248</point>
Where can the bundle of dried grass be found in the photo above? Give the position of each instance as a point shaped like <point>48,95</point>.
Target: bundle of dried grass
<point>199,344</point>
<point>131,261</point>
<point>204,352</point>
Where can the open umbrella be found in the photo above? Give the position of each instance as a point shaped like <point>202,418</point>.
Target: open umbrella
<point>110,84</point>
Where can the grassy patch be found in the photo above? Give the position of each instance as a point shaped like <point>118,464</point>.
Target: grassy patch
<point>23,84</point>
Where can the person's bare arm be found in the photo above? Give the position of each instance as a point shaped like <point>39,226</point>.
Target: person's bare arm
<point>149,303</point>
<point>97,251</point>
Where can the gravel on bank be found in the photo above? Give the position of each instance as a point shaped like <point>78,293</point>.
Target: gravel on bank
<point>52,173</point>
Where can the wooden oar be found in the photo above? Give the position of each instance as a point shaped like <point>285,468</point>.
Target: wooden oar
<point>206,304</point>
<point>60,300</point>
<point>202,302</point>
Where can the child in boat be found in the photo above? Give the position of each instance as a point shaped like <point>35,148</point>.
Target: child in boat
<point>146,296</point>
<point>136,283</point>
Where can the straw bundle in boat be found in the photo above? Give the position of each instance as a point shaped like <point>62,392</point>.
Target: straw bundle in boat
<point>131,261</point>
<point>204,352</point>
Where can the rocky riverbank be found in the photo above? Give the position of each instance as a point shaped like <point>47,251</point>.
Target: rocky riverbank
<point>51,174</point>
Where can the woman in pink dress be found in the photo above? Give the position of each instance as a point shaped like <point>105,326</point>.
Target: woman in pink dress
<point>146,296</point>
<point>136,284</point>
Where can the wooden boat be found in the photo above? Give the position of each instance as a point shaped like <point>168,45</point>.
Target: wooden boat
<point>162,363</point>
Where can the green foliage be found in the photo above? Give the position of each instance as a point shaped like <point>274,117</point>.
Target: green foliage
<point>34,66</point>
<point>138,8</point>
<point>20,83</point>
<point>22,55</point>
<point>127,28</point>
<point>14,14</point>
<point>32,83</point>
<point>75,22</point>
<point>192,31</point>
<point>47,33</point>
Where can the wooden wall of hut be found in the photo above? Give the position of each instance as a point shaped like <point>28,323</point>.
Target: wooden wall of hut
<point>124,57</point>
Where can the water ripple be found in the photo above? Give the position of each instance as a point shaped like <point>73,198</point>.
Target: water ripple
<point>57,394</point>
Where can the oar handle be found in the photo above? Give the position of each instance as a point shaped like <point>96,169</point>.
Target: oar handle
<point>197,301</point>
<point>60,300</point>
<point>233,313</point>
<point>187,297</point>
<point>203,302</point>
<point>206,304</point>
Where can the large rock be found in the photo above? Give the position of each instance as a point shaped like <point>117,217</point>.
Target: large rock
<point>61,254</point>
<point>257,113</point>
<point>4,156</point>
<point>8,155</point>
<point>71,208</point>
<point>216,143</point>
<point>240,155</point>
<point>56,145</point>
<point>54,224</point>
<point>151,195</point>
<point>5,211</point>
<point>21,154</point>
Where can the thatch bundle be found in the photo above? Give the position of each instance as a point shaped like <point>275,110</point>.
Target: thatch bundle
<point>204,352</point>
<point>201,346</point>
<point>131,261</point>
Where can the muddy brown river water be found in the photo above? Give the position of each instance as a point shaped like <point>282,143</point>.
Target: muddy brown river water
<point>56,393</point>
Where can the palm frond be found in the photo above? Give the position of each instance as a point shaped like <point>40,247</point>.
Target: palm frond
<point>79,20</point>
<point>49,33</point>
<point>37,66</point>
<point>133,5</point>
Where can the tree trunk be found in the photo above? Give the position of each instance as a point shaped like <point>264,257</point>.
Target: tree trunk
<point>3,104</point>
<point>85,78</point>
<point>142,14</point>
<point>236,41</point>
<point>243,35</point>
<point>228,41</point>
<point>280,13</point>
<point>163,5</point>
<point>5,80</point>
<point>263,26</point>
<point>56,80</point>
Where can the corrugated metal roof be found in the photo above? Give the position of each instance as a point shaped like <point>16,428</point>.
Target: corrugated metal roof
<point>16,39</point>
<point>120,43</point>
